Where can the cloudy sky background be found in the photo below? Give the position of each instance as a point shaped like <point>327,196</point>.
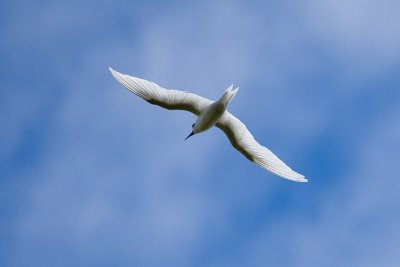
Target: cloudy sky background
<point>91,175</point>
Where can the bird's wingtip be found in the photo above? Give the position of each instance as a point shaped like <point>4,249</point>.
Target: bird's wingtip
<point>111,70</point>
<point>301,179</point>
<point>114,73</point>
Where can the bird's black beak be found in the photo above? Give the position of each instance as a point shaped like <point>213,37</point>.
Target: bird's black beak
<point>192,133</point>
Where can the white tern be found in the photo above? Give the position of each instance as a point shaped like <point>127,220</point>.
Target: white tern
<point>210,113</point>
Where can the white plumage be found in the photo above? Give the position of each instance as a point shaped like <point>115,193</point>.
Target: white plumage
<point>211,113</point>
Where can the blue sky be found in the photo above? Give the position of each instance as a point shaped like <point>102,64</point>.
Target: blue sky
<point>91,175</point>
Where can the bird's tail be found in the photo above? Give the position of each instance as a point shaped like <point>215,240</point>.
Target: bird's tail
<point>228,95</point>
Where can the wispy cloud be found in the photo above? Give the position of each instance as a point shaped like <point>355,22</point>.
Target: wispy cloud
<point>94,175</point>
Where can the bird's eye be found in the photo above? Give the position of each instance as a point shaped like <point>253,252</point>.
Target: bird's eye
<point>192,125</point>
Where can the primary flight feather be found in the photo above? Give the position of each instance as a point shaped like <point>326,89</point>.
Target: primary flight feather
<point>211,113</point>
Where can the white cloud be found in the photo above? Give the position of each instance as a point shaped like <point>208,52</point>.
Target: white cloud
<point>357,222</point>
<point>363,32</point>
<point>115,179</point>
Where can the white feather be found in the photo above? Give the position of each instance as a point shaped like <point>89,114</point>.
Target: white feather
<point>238,134</point>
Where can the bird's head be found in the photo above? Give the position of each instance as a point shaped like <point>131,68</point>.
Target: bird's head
<point>193,131</point>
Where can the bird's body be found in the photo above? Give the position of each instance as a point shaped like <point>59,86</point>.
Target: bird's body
<point>209,114</point>
<point>209,117</point>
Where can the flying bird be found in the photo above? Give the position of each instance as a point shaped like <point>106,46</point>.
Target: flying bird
<point>210,113</point>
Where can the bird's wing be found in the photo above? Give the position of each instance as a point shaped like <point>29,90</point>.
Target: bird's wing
<point>243,140</point>
<point>155,94</point>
